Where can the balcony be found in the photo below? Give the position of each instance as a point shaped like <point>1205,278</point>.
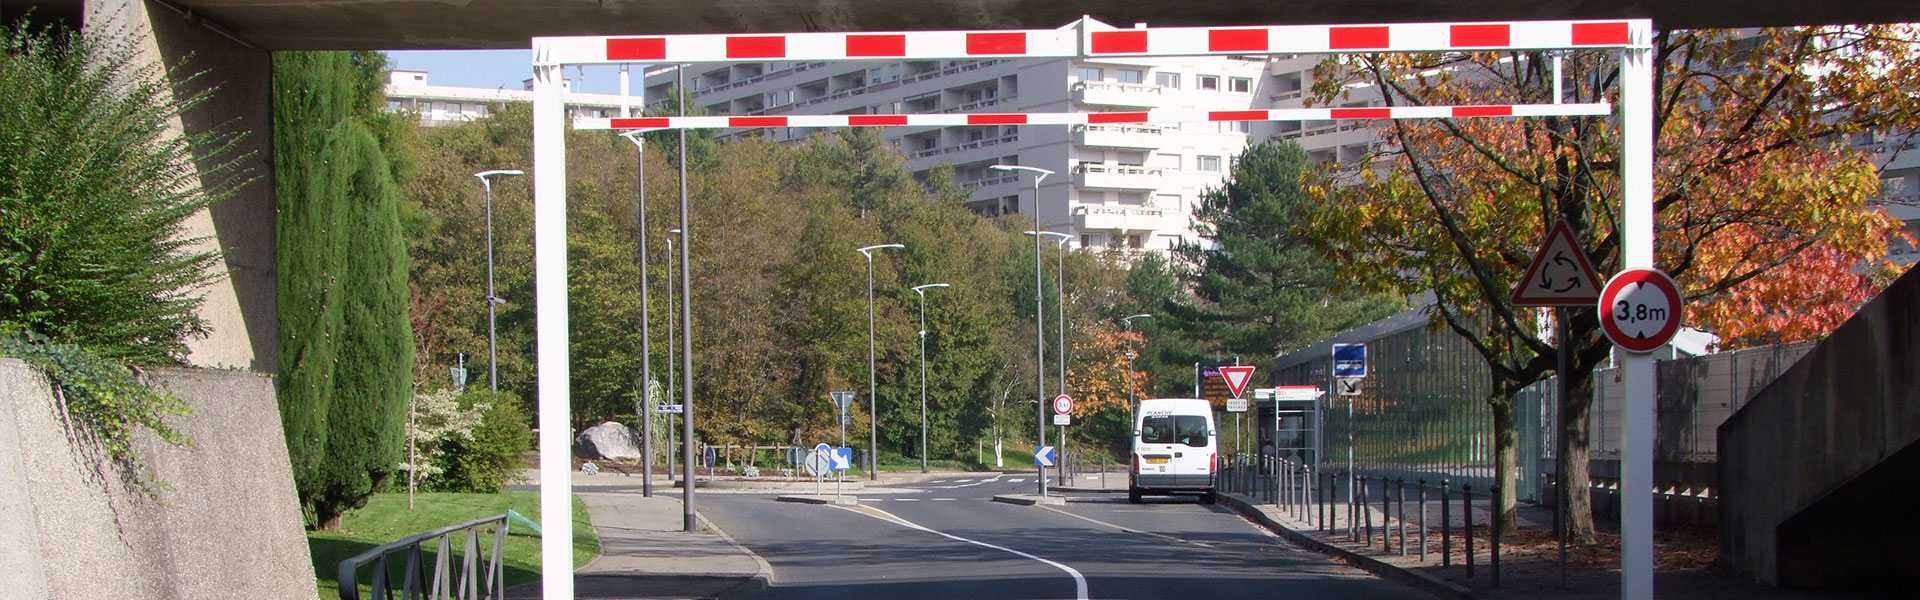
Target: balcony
<point>1118,218</point>
<point>1108,93</point>
<point>1134,136</point>
<point>1103,176</point>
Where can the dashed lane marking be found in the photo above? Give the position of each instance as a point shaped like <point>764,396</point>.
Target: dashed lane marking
<point>1079,581</point>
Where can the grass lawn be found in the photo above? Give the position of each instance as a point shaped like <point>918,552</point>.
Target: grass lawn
<point>386,519</point>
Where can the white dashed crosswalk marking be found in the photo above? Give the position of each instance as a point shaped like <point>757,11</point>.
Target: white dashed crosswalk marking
<point>1015,480</point>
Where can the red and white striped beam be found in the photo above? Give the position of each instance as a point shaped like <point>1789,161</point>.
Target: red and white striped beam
<point>1095,118</point>
<point>1080,41</point>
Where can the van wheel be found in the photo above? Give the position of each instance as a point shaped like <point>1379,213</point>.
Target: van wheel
<point>1209,497</point>
<point>1133,495</point>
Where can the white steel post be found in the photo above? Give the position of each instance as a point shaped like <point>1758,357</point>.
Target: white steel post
<point>550,315</point>
<point>1636,486</point>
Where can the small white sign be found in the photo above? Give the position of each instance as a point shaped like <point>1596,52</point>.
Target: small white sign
<point>1348,386</point>
<point>1237,405</point>
<point>1063,420</point>
<point>671,409</point>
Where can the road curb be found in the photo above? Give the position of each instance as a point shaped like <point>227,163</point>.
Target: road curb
<point>1088,490</point>
<point>753,586</point>
<point>1423,581</point>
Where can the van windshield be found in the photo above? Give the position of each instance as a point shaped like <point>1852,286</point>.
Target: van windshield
<point>1174,429</point>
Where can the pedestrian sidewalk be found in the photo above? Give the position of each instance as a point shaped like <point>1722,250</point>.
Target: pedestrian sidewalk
<point>1529,559</point>
<point>645,552</point>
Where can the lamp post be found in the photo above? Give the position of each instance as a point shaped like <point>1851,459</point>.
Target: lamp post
<point>873,406</point>
<point>922,291</point>
<point>493,354</point>
<point>645,407</point>
<point>1128,322</point>
<point>672,365</point>
<point>1039,339</point>
<point>1060,290</point>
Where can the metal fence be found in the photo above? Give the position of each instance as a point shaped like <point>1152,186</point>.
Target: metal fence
<point>1422,410</point>
<point>445,580</point>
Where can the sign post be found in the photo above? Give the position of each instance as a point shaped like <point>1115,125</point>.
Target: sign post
<point>1559,276</point>
<point>1349,361</point>
<point>842,400</point>
<point>818,464</point>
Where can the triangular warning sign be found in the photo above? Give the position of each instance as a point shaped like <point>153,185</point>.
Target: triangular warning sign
<point>1237,379</point>
<point>1560,274</point>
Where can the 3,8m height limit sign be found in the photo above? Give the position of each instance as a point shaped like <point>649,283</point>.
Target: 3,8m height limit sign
<point>1085,39</point>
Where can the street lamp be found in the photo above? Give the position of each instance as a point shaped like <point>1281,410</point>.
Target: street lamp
<point>922,291</point>
<point>493,354</point>
<point>645,407</point>
<point>1060,290</point>
<point>873,413</point>
<point>672,365</point>
<point>1128,322</point>
<point>1039,341</point>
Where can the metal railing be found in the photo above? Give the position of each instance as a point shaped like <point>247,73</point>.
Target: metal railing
<point>1338,503</point>
<point>445,581</point>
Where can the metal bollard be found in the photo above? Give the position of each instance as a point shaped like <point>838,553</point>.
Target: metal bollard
<point>1365,513</point>
<point>1446,525</point>
<point>1386,516</point>
<point>1466,493</point>
<point>1495,504</point>
<point>1306,495</point>
<point>1400,483</point>
<point>1421,486</point>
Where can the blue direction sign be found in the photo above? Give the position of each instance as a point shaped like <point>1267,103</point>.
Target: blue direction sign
<point>842,458</point>
<point>1043,456</point>
<point>670,409</point>
<point>1349,360</point>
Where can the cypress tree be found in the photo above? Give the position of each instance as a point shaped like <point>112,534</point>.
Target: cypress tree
<point>346,343</point>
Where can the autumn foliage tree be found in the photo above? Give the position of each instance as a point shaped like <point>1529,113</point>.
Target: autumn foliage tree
<point>1762,212</point>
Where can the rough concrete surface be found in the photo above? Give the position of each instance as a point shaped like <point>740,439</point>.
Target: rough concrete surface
<point>226,525</point>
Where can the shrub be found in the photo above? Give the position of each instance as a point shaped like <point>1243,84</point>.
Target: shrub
<point>488,458</point>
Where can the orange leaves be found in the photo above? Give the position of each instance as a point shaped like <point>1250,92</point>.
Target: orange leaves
<point>1099,379</point>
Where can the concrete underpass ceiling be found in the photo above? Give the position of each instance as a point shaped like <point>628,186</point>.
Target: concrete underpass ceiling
<point>469,24</point>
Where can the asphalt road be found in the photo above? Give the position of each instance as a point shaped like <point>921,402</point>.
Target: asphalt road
<point>947,539</point>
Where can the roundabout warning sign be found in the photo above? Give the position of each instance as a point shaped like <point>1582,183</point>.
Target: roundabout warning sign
<point>1640,309</point>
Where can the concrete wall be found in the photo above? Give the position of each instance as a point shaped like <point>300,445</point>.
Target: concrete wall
<point>1817,470</point>
<point>227,525</point>
<point>241,308</point>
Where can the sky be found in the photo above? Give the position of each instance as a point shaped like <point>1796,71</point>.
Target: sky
<point>494,69</point>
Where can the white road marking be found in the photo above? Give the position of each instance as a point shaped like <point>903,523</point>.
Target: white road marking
<point>1079,581</point>
<point>906,499</point>
<point>961,480</point>
<point>940,499</point>
<point>1015,480</point>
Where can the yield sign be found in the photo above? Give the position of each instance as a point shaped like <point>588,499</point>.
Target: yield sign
<point>1237,378</point>
<point>1560,274</point>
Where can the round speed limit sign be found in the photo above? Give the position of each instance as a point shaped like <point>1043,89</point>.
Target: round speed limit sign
<point>1063,404</point>
<point>1640,309</point>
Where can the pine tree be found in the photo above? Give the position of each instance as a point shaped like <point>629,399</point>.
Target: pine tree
<point>1262,287</point>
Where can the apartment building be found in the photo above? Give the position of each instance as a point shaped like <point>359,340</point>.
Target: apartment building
<point>443,105</point>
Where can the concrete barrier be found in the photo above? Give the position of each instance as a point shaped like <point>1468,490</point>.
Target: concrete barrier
<point>226,525</point>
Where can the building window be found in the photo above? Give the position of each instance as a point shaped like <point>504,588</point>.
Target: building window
<point>1234,126</point>
<point>1088,73</point>
<point>393,105</point>
<point>1127,75</point>
<point>480,110</point>
<point>1208,83</point>
<point>1092,240</point>
<point>1167,79</point>
<point>1170,202</point>
<point>1208,164</point>
<point>1169,162</point>
<point>1240,84</point>
<point>1134,241</point>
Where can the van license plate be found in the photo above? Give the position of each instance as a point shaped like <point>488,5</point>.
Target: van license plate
<point>1156,460</point>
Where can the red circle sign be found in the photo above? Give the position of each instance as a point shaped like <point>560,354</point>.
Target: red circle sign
<point>1063,404</point>
<point>1640,309</point>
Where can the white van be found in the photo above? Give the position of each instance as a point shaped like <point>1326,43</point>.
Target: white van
<point>1174,449</point>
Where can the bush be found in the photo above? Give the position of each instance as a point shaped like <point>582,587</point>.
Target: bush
<point>491,456</point>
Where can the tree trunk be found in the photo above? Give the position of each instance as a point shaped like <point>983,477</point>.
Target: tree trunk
<point>1574,442</point>
<point>327,521</point>
<point>1504,458</point>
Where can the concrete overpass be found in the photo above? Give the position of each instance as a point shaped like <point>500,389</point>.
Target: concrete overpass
<point>230,41</point>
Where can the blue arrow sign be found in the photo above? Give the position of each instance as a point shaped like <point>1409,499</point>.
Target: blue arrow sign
<point>842,458</point>
<point>1043,456</point>
<point>823,448</point>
